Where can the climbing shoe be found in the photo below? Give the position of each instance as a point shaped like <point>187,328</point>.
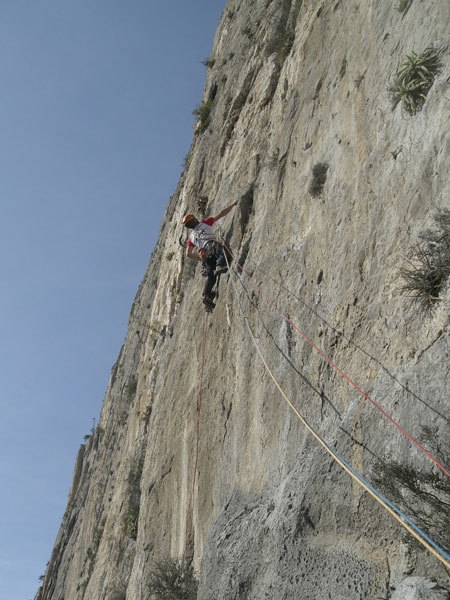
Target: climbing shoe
<point>210,296</point>
<point>207,301</point>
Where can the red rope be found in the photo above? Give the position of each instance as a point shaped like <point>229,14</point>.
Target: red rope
<point>338,369</point>
<point>189,519</point>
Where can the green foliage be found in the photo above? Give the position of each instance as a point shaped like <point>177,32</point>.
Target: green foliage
<point>173,579</point>
<point>209,62</point>
<point>423,496</point>
<point>228,103</point>
<point>118,593</point>
<point>428,265</point>
<point>135,473</point>
<point>286,42</point>
<point>130,388</point>
<point>134,495</point>
<point>415,78</point>
<point>187,160</point>
<point>273,158</point>
<point>145,416</point>
<point>202,203</point>
<point>122,418</point>
<point>250,32</point>
<point>132,521</point>
<point>203,112</point>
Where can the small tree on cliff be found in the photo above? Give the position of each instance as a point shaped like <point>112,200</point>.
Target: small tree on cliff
<point>173,579</point>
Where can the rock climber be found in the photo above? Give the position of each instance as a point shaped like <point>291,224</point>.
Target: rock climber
<point>203,246</point>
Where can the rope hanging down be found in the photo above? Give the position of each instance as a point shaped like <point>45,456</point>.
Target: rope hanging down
<point>403,519</point>
<point>272,303</point>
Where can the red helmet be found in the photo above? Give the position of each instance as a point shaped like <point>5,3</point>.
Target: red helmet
<point>188,218</point>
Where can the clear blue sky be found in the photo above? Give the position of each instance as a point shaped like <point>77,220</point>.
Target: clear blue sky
<point>96,118</point>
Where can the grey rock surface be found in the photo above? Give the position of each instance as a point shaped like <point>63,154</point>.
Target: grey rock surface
<point>335,186</point>
<point>419,588</point>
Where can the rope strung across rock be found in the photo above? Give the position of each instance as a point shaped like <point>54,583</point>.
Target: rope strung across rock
<point>281,285</point>
<point>273,304</point>
<point>401,517</point>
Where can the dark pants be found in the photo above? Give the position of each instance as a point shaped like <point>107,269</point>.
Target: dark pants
<point>215,257</point>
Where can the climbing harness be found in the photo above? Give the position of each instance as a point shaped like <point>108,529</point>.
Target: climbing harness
<point>213,249</point>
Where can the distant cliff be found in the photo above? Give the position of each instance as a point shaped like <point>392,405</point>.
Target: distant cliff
<point>341,167</point>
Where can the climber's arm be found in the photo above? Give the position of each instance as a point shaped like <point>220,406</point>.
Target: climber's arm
<point>225,211</point>
<point>192,253</point>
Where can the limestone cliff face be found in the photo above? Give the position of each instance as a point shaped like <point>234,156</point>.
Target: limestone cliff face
<point>335,186</point>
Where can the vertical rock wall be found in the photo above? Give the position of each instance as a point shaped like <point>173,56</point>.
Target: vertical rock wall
<point>335,185</point>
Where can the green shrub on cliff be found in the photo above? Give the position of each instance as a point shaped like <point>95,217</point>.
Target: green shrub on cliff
<point>428,265</point>
<point>415,78</point>
<point>173,579</point>
<point>203,112</point>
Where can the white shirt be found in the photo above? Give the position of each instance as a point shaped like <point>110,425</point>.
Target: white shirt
<point>202,234</point>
